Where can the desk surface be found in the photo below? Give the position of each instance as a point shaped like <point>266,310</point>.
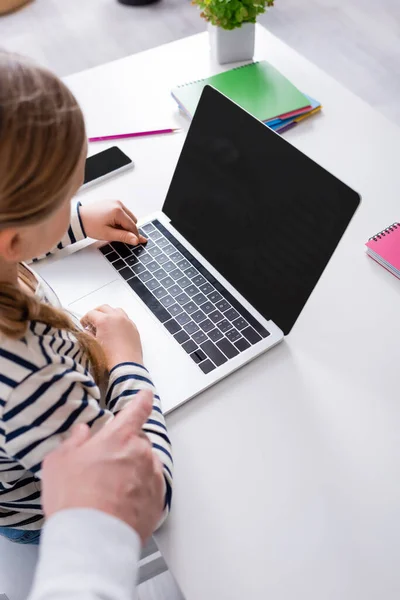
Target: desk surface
<point>287,473</point>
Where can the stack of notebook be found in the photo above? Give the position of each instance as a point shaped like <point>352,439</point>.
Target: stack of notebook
<point>258,88</point>
<point>384,247</point>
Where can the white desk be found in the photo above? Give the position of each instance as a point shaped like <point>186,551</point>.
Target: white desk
<point>287,473</point>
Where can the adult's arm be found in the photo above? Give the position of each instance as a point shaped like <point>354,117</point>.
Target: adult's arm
<point>86,554</point>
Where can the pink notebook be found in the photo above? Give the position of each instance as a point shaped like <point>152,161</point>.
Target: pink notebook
<point>384,247</point>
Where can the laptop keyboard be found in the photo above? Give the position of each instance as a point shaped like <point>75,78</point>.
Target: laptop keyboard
<point>202,316</point>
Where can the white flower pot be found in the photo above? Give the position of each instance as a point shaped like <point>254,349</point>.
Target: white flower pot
<point>234,45</point>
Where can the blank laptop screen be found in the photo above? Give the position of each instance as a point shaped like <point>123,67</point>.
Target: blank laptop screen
<point>266,216</point>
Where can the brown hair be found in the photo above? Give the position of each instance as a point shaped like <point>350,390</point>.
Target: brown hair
<point>42,133</point>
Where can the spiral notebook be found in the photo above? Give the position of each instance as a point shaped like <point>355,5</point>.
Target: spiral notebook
<point>384,247</point>
<point>257,87</point>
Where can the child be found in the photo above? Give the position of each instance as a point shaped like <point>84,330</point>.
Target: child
<point>50,365</point>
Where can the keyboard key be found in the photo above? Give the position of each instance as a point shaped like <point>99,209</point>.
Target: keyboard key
<point>233,335</point>
<point>183,318</point>
<point>191,272</point>
<point>145,259</point>
<point>206,366</point>
<point>199,337</point>
<point>214,353</point>
<point>152,284</point>
<point>199,280</point>
<point>154,235</point>
<point>170,249</point>
<point>189,346</point>
<point>167,301</point>
<point>222,305</point>
<point>106,249</point>
<point>176,274</point>
<point>191,327</point>
<point>206,288</point>
<point>149,244</point>
<point>172,326</point>
<point>160,274</point>
<point>132,260</point>
<point>227,348</point>
<point>138,269</point>
<point>191,290</point>
<point>160,292</point>
<point>112,257</point>
<point>215,335</point>
<point>138,250</point>
<point>167,282</point>
<point>208,307</point>
<point>149,227</point>
<point>214,296</point>
<point>242,344</point>
<point>198,356</point>
<point>145,276</point>
<point>126,273</point>
<point>119,264</point>
<point>162,242</point>
<point>153,266</point>
<point>151,302</point>
<point>155,251</point>
<point>231,314</point>
<point>169,266</point>
<point>183,264</point>
<point>122,250</point>
<point>175,310</point>
<point>251,335</point>
<point>175,256</point>
<point>207,325</point>
<point>174,290</point>
<point>183,282</point>
<point>162,259</point>
<point>190,307</point>
<point>224,325</point>
<point>215,316</point>
<point>198,316</point>
<point>181,337</point>
<point>200,299</point>
<point>240,323</point>
<point>182,299</point>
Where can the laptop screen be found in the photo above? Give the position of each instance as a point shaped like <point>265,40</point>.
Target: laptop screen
<point>266,216</point>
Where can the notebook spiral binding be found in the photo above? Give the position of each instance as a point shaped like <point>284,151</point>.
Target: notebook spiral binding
<point>234,69</point>
<point>385,232</point>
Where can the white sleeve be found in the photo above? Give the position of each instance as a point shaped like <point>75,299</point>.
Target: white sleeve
<point>86,554</point>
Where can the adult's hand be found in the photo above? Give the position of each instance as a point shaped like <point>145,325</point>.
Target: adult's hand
<point>114,471</point>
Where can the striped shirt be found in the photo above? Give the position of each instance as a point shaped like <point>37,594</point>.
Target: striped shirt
<point>45,388</point>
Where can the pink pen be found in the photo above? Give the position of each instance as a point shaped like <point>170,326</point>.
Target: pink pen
<point>122,136</point>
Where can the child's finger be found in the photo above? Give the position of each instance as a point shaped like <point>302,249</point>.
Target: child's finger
<point>121,235</point>
<point>122,220</point>
<point>130,213</point>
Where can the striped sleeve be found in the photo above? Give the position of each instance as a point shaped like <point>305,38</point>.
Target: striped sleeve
<point>75,232</point>
<point>126,380</point>
<point>41,410</point>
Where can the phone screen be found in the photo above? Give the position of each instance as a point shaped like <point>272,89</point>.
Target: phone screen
<point>105,162</point>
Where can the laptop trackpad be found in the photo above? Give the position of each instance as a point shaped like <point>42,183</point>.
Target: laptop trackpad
<point>163,356</point>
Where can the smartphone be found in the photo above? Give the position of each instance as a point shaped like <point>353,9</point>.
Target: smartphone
<point>105,164</point>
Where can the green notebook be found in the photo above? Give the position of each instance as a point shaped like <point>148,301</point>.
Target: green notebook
<point>257,87</point>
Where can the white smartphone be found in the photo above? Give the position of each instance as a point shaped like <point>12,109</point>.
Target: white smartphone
<point>105,164</point>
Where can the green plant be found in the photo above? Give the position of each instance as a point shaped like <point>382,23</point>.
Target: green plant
<point>230,14</point>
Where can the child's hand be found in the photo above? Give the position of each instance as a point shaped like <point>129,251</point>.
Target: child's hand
<point>110,221</point>
<point>116,333</point>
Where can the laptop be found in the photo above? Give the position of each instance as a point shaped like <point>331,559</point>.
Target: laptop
<point>247,228</point>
